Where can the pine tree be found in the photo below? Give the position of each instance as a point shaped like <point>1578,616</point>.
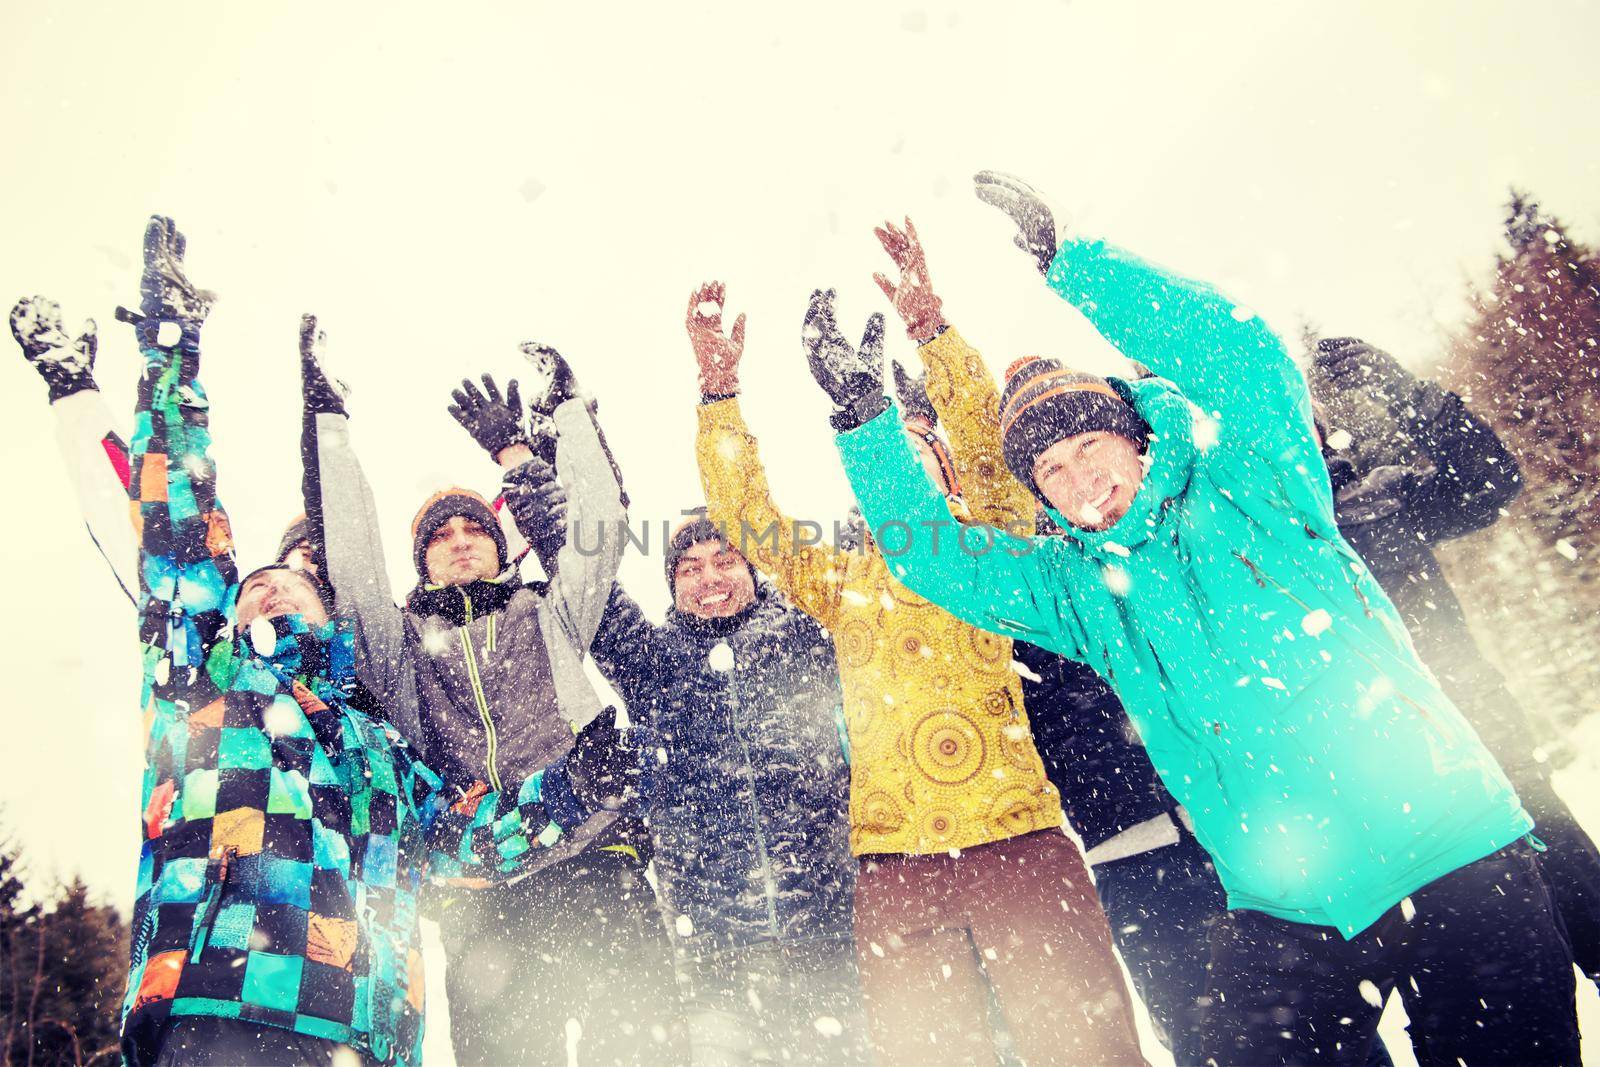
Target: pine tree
<point>61,973</point>
<point>1529,362</point>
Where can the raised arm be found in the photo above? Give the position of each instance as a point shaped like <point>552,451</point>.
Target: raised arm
<point>738,498</point>
<point>1474,475</point>
<point>1222,356</point>
<point>95,453</point>
<point>956,384</point>
<point>344,532</point>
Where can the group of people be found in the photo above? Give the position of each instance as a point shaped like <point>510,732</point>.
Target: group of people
<point>827,826</point>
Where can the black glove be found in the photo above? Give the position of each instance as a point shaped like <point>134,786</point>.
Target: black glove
<point>1385,491</point>
<point>538,506</point>
<point>913,395</point>
<point>604,772</point>
<point>561,384</point>
<point>321,393</point>
<point>1036,223</point>
<point>495,422</point>
<point>1351,363</point>
<point>852,377</point>
<point>165,292</point>
<point>66,365</point>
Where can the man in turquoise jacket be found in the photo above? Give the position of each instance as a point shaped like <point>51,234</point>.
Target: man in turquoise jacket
<point>1364,834</point>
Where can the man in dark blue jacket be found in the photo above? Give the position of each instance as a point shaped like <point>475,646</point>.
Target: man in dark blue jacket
<point>750,822</point>
<point>1458,477</point>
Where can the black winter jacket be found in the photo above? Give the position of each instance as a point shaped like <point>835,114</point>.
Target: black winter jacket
<point>751,785</point>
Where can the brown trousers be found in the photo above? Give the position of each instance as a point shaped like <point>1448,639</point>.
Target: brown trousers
<point>1019,916</point>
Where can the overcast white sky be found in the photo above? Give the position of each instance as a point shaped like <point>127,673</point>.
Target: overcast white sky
<point>440,184</point>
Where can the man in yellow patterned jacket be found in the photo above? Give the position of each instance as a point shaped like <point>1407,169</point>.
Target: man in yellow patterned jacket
<point>967,878</point>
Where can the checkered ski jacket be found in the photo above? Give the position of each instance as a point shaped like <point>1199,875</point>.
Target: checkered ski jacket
<point>286,835</point>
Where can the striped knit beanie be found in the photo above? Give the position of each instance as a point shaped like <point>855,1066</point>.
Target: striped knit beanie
<point>1045,402</point>
<point>445,505</point>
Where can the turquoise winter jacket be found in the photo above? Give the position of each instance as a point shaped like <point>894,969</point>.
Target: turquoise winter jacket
<point>1271,679</point>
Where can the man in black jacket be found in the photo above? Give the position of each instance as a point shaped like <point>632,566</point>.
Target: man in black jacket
<point>1460,479</point>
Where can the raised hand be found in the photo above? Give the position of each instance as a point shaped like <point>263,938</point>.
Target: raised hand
<point>561,384</point>
<point>66,364</point>
<point>912,392</point>
<point>495,422</point>
<point>852,377</point>
<point>716,353</point>
<point>913,297</point>
<point>1348,363</point>
<point>1027,208</point>
<point>322,393</point>
<point>604,770</point>
<point>165,292</point>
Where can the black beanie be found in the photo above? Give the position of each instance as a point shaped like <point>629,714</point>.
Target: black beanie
<point>297,531</point>
<point>696,528</point>
<point>445,505</point>
<point>1045,402</point>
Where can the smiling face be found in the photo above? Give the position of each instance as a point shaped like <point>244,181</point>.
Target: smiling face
<point>461,551</point>
<point>712,581</point>
<point>1090,478</point>
<point>279,592</point>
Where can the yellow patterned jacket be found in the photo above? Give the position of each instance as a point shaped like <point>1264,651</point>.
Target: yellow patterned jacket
<point>941,753</point>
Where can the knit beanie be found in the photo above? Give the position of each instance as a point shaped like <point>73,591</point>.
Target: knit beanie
<point>297,531</point>
<point>697,527</point>
<point>1045,402</point>
<point>445,505</point>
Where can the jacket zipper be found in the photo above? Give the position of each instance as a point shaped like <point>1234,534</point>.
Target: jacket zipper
<point>212,905</point>
<point>492,740</point>
<point>770,883</point>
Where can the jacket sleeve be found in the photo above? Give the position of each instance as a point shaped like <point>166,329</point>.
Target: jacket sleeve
<point>626,648</point>
<point>1474,475</point>
<point>344,523</point>
<point>1001,583</point>
<point>586,564</point>
<point>968,404</point>
<point>187,572</point>
<point>739,501</point>
<point>97,462</point>
<point>488,835</point>
<point>1221,356</point>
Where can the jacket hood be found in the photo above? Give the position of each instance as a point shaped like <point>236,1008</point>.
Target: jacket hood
<point>1169,462</point>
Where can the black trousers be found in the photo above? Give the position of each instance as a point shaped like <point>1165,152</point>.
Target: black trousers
<point>205,1041</point>
<point>575,956</point>
<point>1478,956</point>
<point>1571,868</point>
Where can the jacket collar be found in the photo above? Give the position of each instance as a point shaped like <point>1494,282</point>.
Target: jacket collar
<point>1170,456</point>
<point>460,604</point>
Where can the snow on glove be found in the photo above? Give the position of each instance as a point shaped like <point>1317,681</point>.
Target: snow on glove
<point>1035,221</point>
<point>913,394</point>
<point>561,384</point>
<point>852,378</point>
<point>1350,363</point>
<point>165,292</point>
<point>321,393</point>
<point>495,422</point>
<point>603,770</point>
<point>65,364</point>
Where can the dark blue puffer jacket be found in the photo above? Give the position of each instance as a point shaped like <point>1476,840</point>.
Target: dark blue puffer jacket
<point>750,817</point>
<point>1091,751</point>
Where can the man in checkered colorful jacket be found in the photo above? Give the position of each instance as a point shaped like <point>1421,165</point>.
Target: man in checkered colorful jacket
<point>286,834</point>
